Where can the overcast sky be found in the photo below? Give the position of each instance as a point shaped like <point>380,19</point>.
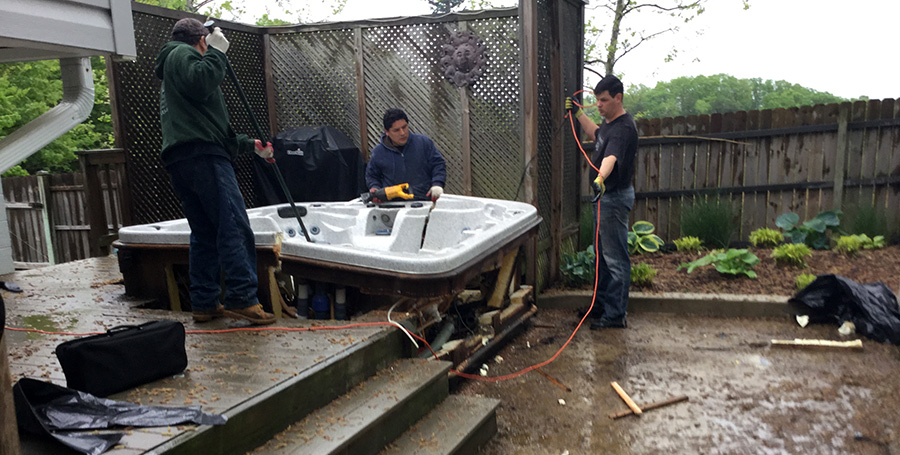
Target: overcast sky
<point>843,48</point>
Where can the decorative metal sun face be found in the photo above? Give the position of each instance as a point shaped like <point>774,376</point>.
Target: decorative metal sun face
<point>463,58</point>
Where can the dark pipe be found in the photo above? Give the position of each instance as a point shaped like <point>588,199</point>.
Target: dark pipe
<point>229,70</point>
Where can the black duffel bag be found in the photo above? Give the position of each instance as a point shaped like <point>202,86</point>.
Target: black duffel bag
<point>124,357</point>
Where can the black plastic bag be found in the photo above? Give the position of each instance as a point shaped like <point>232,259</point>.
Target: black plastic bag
<point>872,307</point>
<point>43,408</point>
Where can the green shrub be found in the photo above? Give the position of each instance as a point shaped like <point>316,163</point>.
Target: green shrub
<point>848,244</point>
<point>869,221</point>
<point>803,280</point>
<point>872,243</point>
<point>731,262</point>
<point>811,232</point>
<point>709,219</point>
<point>641,238</point>
<point>688,244</point>
<point>578,269</point>
<point>791,254</point>
<point>765,238</point>
<point>642,275</point>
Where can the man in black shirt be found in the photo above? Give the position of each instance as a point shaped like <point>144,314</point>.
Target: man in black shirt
<point>614,154</point>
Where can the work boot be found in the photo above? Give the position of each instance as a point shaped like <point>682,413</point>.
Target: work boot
<point>253,313</point>
<point>209,315</point>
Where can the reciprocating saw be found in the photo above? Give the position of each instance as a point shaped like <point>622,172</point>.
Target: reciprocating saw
<point>387,194</point>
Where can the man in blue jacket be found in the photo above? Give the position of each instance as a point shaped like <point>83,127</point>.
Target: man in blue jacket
<point>404,157</point>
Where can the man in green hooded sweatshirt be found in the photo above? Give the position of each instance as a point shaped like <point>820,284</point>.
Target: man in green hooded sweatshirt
<point>198,147</point>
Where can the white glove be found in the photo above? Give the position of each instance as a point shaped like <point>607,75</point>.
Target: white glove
<point>435,192</point>
<point>217,40</point>
<point>266,153</point>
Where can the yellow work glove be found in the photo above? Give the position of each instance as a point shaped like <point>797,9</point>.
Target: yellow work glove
<point>571,105</point>
<point>599,186</point>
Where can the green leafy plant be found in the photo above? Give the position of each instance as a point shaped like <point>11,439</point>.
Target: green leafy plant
<point>642,275</point>
<point>765,238</point>
<point>791,254</point>
<point>731,262</point>
<point>641,238</point>
<point>709,219</point>
<point>688,244</point>
<point>848,244</point>
<point>869,221</point>
<point>803,280</point>
<point>812,232</point>
<point>872,243</point>
<point>578,269</point>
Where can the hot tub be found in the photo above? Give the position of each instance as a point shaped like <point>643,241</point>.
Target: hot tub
<point>412,248</point>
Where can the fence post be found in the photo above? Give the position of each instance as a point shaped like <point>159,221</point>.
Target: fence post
<point>44,195</point>
<point>840,159</point>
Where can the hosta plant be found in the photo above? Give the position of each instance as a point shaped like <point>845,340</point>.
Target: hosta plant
<point>730,262</point>
<point>641,238</point>
<point>811,232</point>
<point>688,244</point>
<point>791,254</point>
<point>578,269</point>
<point>803,280</point>
<point>642,275</point>
<point>766,238</point>
<point>848,244</point>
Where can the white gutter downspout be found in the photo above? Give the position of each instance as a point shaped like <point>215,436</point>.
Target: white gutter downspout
<point>76,105</point>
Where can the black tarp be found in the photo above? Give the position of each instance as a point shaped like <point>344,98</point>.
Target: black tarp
<point>44,409</point>
<point>871,307</point>
<point>319,164</point>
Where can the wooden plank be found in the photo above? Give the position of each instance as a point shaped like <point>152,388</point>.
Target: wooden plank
<point>751,216</point>
<point>665,177</point>
<point>777,203</point>
<point>673,230</point>
<point>762,201</point>
<point>815,144</point>
<point>529,33</point>
<point>361,93</point>
<point>738,158</point>
<point>653,174</point>
<point>9,437</point>
<point>831,159</point>
<point>855,144</point>
<point>892,194</point>
<point>868,160</point>
<point>795,164</point>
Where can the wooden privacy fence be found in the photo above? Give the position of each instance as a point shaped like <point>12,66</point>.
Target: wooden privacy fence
<point>56,218</point>
<point>803,160</point>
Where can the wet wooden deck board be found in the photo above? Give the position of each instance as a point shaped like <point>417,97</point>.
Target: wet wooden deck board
<point>224,371</point>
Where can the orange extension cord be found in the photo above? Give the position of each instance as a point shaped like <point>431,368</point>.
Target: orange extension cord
<point>370,324</point>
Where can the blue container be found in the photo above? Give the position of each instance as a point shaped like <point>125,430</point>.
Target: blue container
<point>321,304</point>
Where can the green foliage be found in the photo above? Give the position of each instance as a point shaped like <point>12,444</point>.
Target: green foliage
<point>869,221</point>
<point>803,280</point>
<point>811,232</point>
<point>265,21</point>
<point>641,238</point>
<point>791,254</point>
<point>848,244</point>
<point>709,219</point>
<point>731,262</point>
<point>688,244</point>
<point>851,244</point>
<point>765,237</point>
<point>578,269</point>
<point>642,275</point>
<point>29,89</point>
<point>719,93</point>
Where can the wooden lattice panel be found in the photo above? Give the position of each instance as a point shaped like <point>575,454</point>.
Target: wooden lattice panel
<point>544,163</point>
<point>496,117</point>
<point>314,76</point>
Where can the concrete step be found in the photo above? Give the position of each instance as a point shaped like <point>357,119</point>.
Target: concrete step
<point>370,415</point>
<point>458,426</point>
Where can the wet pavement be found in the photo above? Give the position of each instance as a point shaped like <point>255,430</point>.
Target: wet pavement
<point>745,397</point>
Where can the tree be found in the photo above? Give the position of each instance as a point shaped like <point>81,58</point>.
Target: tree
<point>624,39</point>
<point>719,93</point>
<point>444,6</point>
<point>29,89</point>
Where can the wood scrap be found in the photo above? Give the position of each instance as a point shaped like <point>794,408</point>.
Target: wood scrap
<point>811,343</point>
<point>650,406</point>
<point>553,380</point>
<point>624,396</point>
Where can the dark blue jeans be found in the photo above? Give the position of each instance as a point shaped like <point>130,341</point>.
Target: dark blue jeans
<point>221,238</point>
<point>614,265</point>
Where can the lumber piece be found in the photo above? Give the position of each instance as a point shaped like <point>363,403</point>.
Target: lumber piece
<point>506,272</point>
<point>627,399</point>
<point>647,407</point>
<point>809,343</point>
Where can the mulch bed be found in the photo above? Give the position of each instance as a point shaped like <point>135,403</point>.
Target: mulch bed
<point>773,279</point>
